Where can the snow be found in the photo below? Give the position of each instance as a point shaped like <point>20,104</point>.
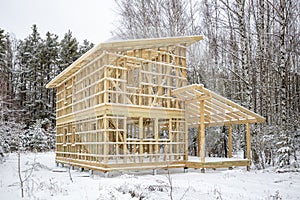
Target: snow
<point>50,182</point>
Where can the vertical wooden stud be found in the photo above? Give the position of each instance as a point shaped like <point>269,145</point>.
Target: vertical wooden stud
<point>248,144</point>
<point>186,135</point>
<point>199,140</point>
<point>171,139</point>
<point>202,132</point>
<point>141,136</point>
<point>105,139</point>
<point>156,151</point>
<point>125,140</point>
<point>230,141</point>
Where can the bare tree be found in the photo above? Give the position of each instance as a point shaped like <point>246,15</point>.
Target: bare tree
<point>250,54</point>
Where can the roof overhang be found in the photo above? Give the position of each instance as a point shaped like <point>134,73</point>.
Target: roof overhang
<point>101,48</point>
<point>218,110</point>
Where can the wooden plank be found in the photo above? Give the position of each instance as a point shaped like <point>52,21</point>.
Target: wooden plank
<point>219,106</point>
<point>106,146</point>
<point>199,141</point>
<point>177,132</point>
<point>171,139</point>
<point>156,148</point>
<point>136,85</point>
<point>235,105</point>
<point>195,123</point>
<point>186,137</point>
<point>230,141</point>
<point>141,136</point>
<point>248,141</point>
<point>202,132</point>
<point>217,164</point>
<point>132,44</point>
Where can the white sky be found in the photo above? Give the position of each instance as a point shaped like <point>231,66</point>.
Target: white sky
<point>87,19</point>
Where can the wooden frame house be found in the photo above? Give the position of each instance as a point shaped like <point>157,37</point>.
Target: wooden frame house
<point>126,105</point>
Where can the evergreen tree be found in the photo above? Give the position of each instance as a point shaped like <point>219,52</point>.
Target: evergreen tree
<point>68,51</point>
<point>35,138</point>
<point>30,73</point>
<point>2,73</point>
<point>85,47</point>
<point>6,80</point>
<point>49,61</point>
<point>24,73</point>
<point>10,131</point>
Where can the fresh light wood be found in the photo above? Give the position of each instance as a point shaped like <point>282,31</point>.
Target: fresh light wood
<point>218,110</point>
<point>248,143</point>
<point>217,164</point>
<point>126,105</point>
<point>230,141</point>
<point>202,132</point>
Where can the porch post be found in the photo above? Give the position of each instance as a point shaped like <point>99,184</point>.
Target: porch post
<point>248,144</point>
<point>202,132</point>
<point>230,141</point>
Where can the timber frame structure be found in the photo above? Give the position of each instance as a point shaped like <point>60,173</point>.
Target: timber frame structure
<point>126,105</point>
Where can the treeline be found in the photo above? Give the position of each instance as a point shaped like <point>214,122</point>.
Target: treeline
<point>250,55</point>
<point>27,108</point>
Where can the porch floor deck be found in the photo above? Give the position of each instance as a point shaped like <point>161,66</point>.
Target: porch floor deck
<point>216,162</point>
<point>192,162</point>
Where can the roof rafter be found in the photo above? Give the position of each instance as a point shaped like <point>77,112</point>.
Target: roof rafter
<point>217,109</point>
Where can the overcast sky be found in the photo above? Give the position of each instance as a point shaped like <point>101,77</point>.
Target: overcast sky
<point>87,19</point>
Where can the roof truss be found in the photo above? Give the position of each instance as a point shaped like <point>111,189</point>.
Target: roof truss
<point>217,109</point>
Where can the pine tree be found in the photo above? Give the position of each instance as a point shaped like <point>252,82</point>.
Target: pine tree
<point>3,75</point>
<point>68,52</point>
<point>50,62</point>
<point>35,138</point>
<point>85,47</point>
<point>6,74</point>
<point>30,76</point>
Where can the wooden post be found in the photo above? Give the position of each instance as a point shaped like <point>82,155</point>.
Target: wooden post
<point>177,139</point>
<point>248,144</point>
<point>230,141</point>
<point>202,132</point>
<point>198,141</point>
<point>116,135</point>
<point>141,136</point>
<point>123,86</point>
<point>156,151</point>
<point>105,84</point>
<point>106,147</point>
<point>186,135</point>
<point>125,140</point>
<point>171,139</point>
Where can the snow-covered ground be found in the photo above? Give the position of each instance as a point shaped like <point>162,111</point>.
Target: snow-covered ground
<point>50,182</point>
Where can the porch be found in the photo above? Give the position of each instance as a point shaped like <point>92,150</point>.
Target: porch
<point>204,108</point>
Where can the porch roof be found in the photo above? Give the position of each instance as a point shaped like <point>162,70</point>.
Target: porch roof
<point>218,110</point>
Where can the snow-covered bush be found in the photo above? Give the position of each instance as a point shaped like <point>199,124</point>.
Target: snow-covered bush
<point>38,137</point>
<point>135,191</point>
<point>288,145</point>
<point>9,135</point>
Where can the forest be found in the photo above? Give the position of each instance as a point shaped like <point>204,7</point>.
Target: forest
<point>250,55</point>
